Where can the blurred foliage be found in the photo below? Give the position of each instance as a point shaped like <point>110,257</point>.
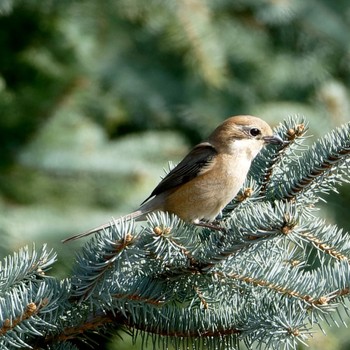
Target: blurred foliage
<point>96,97</point>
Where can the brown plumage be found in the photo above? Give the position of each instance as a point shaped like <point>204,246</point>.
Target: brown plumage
<point>210,176</point>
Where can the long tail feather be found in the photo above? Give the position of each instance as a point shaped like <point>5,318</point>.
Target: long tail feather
<point>138,214</point>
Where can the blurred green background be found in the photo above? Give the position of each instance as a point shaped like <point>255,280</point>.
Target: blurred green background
<point>97,96</point>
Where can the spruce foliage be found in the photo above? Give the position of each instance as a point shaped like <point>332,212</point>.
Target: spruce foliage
<point>91,91</point>
<point>274,272</point>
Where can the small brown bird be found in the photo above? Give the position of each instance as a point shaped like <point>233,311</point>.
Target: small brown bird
<point>210,176</point>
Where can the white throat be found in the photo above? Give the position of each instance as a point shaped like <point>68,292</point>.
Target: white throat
<point>248,148</point>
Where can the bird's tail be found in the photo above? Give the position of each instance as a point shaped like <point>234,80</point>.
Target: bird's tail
<point>138,214</point>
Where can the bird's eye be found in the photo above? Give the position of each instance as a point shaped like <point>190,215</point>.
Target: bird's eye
<point>254,132</point>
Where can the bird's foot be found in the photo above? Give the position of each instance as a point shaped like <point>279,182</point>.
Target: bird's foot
<point>212,225</point>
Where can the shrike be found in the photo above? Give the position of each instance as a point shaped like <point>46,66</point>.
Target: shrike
<point>210,176</point>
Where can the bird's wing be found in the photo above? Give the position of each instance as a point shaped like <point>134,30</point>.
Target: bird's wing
<point>195,163</point>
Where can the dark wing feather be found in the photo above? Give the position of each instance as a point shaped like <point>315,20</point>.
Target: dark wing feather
<point>199,157</point>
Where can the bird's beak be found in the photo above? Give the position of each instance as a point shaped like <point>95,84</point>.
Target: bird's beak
<point>274,139</point>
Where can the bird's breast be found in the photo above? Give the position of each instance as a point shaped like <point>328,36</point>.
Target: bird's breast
<point>206,195</point>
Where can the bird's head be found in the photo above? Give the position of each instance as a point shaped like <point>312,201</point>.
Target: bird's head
<point>243,133</point>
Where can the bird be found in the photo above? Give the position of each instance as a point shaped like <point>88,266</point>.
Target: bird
<point>209,176</point>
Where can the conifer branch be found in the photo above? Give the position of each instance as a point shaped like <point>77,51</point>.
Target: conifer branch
<point>93,323</point>
<point>290,136</point>
<point>193,334</point>
<point>323,246</point>
<point>179,283</point>
<point>322,165</point>
<point>30,310</point>
<point>325,167</point>
<point>275,287</point>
